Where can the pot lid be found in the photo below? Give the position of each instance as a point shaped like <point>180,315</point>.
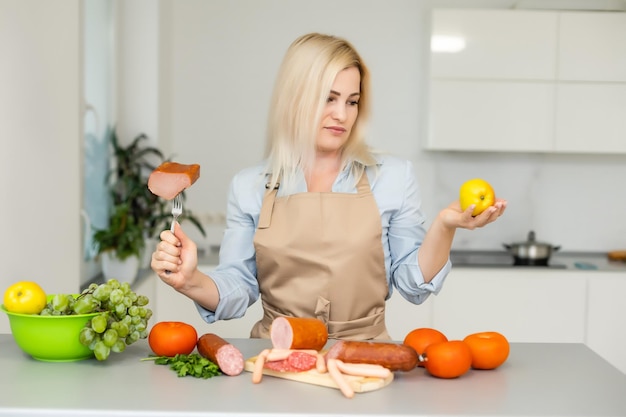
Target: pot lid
<point>532,241</point>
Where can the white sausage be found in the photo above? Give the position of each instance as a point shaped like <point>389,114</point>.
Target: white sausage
<point>337,376</point>
<point>257,374</point>
<point>320,365</point>
<point>363,369</point>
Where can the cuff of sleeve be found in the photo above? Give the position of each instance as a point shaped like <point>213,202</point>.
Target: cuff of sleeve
<point>207,315</point>
<point>418,291</point>
<point>233,300</point>
<point>435,285</point>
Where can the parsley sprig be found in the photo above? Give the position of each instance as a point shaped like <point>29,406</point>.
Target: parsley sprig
<point>188,365</point>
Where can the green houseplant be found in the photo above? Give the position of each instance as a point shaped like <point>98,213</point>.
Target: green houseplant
<point>135,214</point>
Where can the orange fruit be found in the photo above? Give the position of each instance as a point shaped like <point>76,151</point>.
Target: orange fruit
<point>420,338</point>
<point>478,192</point>
<point>448,359</point>
<point>489,349</point>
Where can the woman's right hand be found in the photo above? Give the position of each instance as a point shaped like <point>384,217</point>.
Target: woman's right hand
<point>454,217</point>
<point>176,258</point>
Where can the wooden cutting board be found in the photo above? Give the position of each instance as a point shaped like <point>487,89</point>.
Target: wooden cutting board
<point>358,383</point>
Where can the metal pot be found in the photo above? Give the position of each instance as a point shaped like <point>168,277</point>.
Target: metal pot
<point>531,252</point>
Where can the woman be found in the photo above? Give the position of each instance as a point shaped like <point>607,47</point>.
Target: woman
<point>324,227</point>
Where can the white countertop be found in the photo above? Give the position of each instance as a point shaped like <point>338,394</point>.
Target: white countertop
<point>570,261</point>
<point>564,261</point>
<point>537,380</point>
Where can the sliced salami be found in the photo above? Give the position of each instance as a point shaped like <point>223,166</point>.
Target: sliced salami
<point>295,362</point>
<point>302,361</point>
<point>279,366</point>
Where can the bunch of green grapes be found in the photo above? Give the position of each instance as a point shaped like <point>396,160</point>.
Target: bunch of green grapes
<point>123,317</point>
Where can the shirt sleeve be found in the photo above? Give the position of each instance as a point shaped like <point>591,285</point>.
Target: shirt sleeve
<point>403,232</point>
<point>235,276</point>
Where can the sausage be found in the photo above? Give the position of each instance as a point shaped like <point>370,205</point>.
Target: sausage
<point>363,369</point>
<point>171,178</point>
<point>225,355</point>
<point>259,364</point>
<point>395,357</point>
<point>298,333</point>
<point>340,380</point>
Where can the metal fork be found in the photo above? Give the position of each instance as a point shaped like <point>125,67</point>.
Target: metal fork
<point>177,210</point>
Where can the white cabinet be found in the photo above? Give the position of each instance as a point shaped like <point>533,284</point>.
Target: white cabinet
<point>592,47</point>
<point>402,316</point>
<point>529,81</point>
<point>495,94</point>
<point>525,306</point>
<point>491,115</point>
<point>606,326</point>
<point>499,44</point>
<point>591,118</point>
<point>591,95</point>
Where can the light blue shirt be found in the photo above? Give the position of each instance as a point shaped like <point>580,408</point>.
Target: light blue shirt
<point>397,194</point>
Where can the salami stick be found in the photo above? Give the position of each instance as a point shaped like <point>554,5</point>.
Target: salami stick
<point>395,357</point>
<point>226,356</point>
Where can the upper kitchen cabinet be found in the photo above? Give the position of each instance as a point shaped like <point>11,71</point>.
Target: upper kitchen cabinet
<point>591,118</point>
<point>488,115</point>
<point>493,44</point>
<point>592,47</point>
<point>591,94</point>
<point>528,81</point>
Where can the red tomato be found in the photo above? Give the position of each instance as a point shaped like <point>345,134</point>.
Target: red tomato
<point>169,338</point>
<point>448,359</point>
<point>420,338</point>
<point>489,349</point>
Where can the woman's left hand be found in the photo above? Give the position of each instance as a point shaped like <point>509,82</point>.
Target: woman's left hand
<point>454,217</point>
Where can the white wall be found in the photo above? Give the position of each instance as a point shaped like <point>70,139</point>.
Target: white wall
<point>137,69</point>
<point>40,137</point>
<point>218,62</point>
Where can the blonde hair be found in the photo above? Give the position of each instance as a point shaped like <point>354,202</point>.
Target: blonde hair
<point>302,87</point>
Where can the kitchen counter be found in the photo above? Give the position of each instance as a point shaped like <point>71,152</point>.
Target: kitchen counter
<point>572,261</point>
<point>470,258</point>
<point>537,380</point>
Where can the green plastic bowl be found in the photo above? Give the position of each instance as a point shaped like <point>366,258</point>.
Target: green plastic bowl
<point>50,338</point>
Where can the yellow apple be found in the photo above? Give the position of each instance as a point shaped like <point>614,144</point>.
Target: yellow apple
<point>478,192</point>
<point>25,297</point>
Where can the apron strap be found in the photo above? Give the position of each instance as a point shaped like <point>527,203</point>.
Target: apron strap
<point>265,216</point>
<point>363,186</point>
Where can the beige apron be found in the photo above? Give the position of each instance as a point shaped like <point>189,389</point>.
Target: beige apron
<point>320,255</point>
